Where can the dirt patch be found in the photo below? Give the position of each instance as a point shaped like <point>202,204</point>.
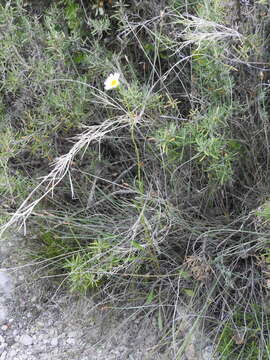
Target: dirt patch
<point>41,321</point>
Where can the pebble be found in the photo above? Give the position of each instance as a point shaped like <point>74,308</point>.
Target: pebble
<point>3,314</point>
<point>2,340</point>
<point>40,324</point>
<point>6,284</point>
<point>190,352</point>
<point>71,341</point>
<point>54,342</point>
<point>2,347</point>
<point>26,340</point>
<point>52,332</point>
<point>208,353</point>
<point>3,356</point>
<point>12,353</point>
<point>73,334</point>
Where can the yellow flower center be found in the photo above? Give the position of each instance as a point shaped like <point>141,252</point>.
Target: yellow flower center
<point>114,82</point>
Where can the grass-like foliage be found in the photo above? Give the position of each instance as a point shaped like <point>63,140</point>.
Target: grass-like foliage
<point>153,191</point>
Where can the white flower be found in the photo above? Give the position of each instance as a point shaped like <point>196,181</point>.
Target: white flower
<point>112,81</point>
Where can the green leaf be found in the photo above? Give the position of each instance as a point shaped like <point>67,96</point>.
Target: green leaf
<point>189,292</point>
<point>137,245</point>
<point>183,274</point>
<point>150,297</point>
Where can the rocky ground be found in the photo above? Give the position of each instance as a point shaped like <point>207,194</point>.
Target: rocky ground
<point>40,321</point>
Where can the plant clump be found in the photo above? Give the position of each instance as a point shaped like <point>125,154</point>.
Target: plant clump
<point>135,142</point>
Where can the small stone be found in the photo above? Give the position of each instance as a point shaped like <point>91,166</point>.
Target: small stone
<point>2,347</point>
<point>40,324</point>
<point>4,327</point>
<point>71,341</point>
<point>26,340</point>
<point>54,342</point>
<point>207,353</point>
<point>2,340</point>
<point>12,353</point>
<point>52,332</point>
<point>190,352</point>
<point>3,314</point>
<point>10,341</point>
<point>21,278</point>
<point>72,334</point>
<point>6,284</point>
<point>3,356</point>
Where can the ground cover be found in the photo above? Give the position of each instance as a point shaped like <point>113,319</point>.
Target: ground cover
<point>154,191</point>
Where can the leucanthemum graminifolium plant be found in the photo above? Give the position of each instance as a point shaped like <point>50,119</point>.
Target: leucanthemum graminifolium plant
<point>154,190</point>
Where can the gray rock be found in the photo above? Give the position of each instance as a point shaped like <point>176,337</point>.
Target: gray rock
<point>73,334</point>
<point>12,353</point>
<point>2,347</point>
<point>3,356</point>
<point>191,353</point>
<point>207,353</point>
<point>6,284</point>
<point>71,341</point>
<point>26,340</point>
<point>3,314</point>
<point>54,342</point>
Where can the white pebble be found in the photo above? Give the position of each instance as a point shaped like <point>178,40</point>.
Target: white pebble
<point>208,353</point>
<point>3,314</point>
<point>3,356</point>
<point>54,342</point>
<point>12,353</point>
<point>6,284</point>
<point>71,341</point>
<point>2,347</point>
<point>72,334</point>
<point>26,340</point>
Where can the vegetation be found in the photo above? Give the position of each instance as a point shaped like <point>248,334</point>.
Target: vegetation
<point>155,191</point>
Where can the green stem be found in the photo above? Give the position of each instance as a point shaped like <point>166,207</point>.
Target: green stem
<point>138,159</point>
